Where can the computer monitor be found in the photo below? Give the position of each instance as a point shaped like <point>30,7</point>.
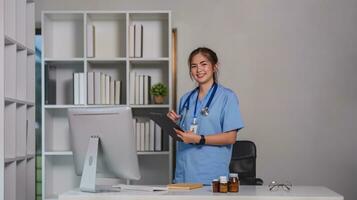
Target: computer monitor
<point>107,134</point>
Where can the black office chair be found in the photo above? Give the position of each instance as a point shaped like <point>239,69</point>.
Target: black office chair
<point>243,162</point>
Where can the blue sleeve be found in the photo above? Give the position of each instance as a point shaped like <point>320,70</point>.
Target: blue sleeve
<point>231,118</point>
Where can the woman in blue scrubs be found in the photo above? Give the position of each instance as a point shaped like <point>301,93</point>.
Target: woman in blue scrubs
<point>210,118</point>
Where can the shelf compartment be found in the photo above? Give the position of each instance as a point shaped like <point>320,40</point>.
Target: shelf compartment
<point>115,69</point>
<point>63,35</point>
<point>30,90</point>
<point>155,33</point>
<point>56,133</point>
<point>30,179</point>
<point>21,130</point>
<point>59,81</point>
<point>109,34</point>
<point>21,180</point>
<point>59,170</point>
<point>10,130</point>
<point>30,25</point>
<point>30,131</point>
<point>143,113</point>
<point>10,181</point>
<point>20,21</point>
<point>158,71</point>
<point>21,73</point>
<point>10,71</point>
<point>154,170</point>
<point>10,18</point>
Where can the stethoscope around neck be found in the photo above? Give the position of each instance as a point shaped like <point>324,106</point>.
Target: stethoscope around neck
<point>205,110</point>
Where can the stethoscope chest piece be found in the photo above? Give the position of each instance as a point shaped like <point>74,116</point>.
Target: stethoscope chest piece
<point>205,111</point>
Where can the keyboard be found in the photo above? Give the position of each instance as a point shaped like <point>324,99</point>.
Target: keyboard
<point>141,187</point>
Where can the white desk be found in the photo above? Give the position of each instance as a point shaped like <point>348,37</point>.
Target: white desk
<point>245,193</point>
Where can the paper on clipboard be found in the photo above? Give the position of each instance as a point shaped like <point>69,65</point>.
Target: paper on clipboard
<point>166,124</point>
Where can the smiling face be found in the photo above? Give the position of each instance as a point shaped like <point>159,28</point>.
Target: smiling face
<point>202,69</point>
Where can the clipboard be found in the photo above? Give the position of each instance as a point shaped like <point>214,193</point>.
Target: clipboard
<point>166,124</point>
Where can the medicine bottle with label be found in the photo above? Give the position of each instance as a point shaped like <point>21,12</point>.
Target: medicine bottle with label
<point>223,185</point>
<point>233,184</point>
<point>215,185</point>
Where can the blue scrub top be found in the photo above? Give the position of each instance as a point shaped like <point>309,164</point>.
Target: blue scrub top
<point>203,163</point>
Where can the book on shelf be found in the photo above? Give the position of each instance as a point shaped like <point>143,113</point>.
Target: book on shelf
<point>147,135</point>
<point>152,136</point>
<point>82,95</point>
<point>90,88</point>
<point>158,138</point>
<point>90,41</point>
<point>76,88</point>
<point>50,84</point>
<point>147,86</point>
<point>117,92</point>
<point>139,40</point>
<point>132,88</point>
<point>136,89</point>
<point>132,41</point>
<point>137,133</point>
<point>102,88</point>
<point>112,92</point>
<point>97,82</point>
<point>107,89</point>
<point>142,135</point>
<point>141,89</point>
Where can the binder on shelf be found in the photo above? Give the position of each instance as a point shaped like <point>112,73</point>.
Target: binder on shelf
<point>117,92</point>
<point>76,88</point>
<point>90,87</point>
<point>152,136</point>
<point>97,82</point>
<point>50,84</point>
<point>138,40</point>
<point>132,41</point>
<point>132,88</point>
<point>82,96</point>
<point>141,89</point>
<point>112,92</point>
<point>147,85</point>
<point>102,88</point>
<point>90,41</point>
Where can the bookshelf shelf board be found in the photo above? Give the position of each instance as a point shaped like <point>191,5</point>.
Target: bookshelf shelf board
<point>30,51</point>
<point>18,101</point>
<point>58,153</point>
<point>147,60</point>
<point>151,106</point>
<point>66,60</point>
<point>141,153</point>
<point>106,60</point>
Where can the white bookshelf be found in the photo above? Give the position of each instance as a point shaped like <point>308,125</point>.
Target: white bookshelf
<point>17,94</point>
<point>65,47</point>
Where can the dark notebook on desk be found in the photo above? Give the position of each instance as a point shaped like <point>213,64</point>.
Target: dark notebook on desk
<point>166,124</point>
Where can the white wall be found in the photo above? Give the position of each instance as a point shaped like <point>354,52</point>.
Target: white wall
<point>293,64</point>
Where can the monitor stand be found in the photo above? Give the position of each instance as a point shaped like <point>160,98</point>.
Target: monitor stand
<point>89,174</point>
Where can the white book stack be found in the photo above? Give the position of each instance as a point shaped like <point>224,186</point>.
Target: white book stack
<point>141,89</point>
<point>103,89</point>
<point>148,135</point>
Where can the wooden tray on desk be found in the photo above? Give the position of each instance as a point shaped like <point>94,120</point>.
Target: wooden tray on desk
<point>184,186</point>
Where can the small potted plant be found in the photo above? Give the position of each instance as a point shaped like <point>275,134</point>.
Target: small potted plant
<point>158,91</point>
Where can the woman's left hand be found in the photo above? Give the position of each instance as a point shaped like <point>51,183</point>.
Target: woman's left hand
<point>188,137</point>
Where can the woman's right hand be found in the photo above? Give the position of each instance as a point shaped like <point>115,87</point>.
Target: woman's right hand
<point>173,116</point>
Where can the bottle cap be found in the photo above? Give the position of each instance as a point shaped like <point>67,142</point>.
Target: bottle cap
<point>215,180</point>
<point>223,179</point>
<point>235,175</point>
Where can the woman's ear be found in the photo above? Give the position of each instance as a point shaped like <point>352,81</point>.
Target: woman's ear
<point>215,68</point>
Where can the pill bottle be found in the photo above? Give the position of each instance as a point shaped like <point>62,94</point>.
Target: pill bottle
<point>215,185</point>
<point>233,183</point>
<point>223,184</point>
